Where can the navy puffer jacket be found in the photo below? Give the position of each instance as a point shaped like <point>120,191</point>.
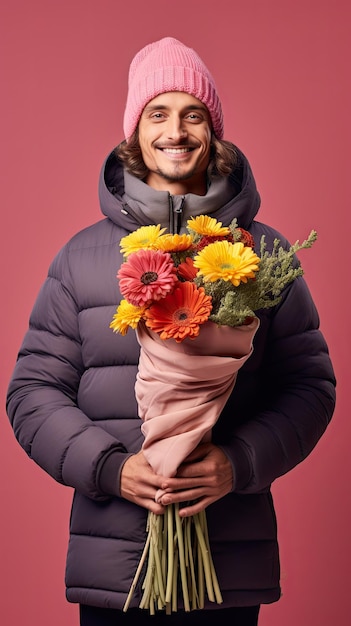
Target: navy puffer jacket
<point>72,406</point>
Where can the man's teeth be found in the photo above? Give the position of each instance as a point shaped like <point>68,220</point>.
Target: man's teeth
<point>176,150</point>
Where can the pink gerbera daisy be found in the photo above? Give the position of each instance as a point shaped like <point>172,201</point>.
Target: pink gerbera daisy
<point>147,275</point>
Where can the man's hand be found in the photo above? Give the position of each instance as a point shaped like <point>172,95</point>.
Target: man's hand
<point>139,483</point>
<point>204,477</point>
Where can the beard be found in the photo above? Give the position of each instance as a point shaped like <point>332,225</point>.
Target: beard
<point>177,174</point>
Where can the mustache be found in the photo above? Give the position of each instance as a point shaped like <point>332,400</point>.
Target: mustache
<point>179,144</point>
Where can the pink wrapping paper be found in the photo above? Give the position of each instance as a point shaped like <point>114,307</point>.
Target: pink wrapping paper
<point>181,388</point>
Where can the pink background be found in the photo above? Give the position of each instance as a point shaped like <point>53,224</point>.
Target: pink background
<point>281,69</point>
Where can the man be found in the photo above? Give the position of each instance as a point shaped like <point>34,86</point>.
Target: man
<point>71,398</point>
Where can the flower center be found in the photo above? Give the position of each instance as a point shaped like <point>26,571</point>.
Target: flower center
<point>226,266</point>
<point>149,277</point>
<point>181,316</point>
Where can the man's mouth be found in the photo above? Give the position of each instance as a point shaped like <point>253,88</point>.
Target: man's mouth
<point>176,150</point>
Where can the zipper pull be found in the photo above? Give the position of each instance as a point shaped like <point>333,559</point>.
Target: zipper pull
<point>179,212</point>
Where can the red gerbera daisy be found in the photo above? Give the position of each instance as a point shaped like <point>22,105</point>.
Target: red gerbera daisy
<point>246,238</point>
<point>207,239</point>
<point>181,313</point>
<point>186,270</point>
<point>147,275</point>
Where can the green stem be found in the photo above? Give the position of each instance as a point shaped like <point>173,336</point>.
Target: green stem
<point>148,580</point>
<point>182,559</point>
<point>193,585</point>
<point>170,551</point>
<point>216,587</point>
<point>171,547</point>
<point>175,581</point>
<point>164,544</point>
<point>137,573</point>
<point>205,557</point>
<point>200,569</point>
<point>159,580</point>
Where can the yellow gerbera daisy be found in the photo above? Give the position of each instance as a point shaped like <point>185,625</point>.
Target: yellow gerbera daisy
<point>127,316</point>
<point>174,243</point>
<point>227,261</point>
<point>205,225</point>
<point>144,237</point>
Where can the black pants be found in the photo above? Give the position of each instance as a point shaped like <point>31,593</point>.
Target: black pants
<point>241,616</point>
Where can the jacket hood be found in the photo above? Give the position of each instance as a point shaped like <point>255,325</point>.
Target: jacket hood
<point>131,203</point>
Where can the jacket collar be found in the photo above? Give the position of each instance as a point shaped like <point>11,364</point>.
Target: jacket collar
<point>130,203</point>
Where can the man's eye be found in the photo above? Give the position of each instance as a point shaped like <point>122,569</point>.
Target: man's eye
<point>157,116</point>
<point>194,117</point>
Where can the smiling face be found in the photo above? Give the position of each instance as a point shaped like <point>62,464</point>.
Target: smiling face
<point>175,141</point>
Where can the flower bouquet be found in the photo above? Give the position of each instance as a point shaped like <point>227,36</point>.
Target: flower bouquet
<point>192,300</point>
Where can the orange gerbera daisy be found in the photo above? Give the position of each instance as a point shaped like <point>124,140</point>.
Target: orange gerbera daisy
<point>205,225</point>
<point>174,243</point>
<point>180,314</point>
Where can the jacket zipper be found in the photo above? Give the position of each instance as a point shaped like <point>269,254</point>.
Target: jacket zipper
<point>175,215</point>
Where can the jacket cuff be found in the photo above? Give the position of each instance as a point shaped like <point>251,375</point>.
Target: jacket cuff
<point>109,472</point>
<point>242,471</point>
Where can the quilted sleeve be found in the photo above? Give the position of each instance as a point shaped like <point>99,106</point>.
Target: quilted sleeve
<point>42,394</point>
<point>297,396</point>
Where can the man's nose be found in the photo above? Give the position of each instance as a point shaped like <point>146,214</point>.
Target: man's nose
<point>176,128</point>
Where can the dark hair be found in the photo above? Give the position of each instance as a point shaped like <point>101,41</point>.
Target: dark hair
<point>223,157</point>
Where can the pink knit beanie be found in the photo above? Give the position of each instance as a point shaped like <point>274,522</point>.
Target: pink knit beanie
<point>168,65</point>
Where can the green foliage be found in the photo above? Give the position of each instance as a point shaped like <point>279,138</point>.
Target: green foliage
<point>277,269</point>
